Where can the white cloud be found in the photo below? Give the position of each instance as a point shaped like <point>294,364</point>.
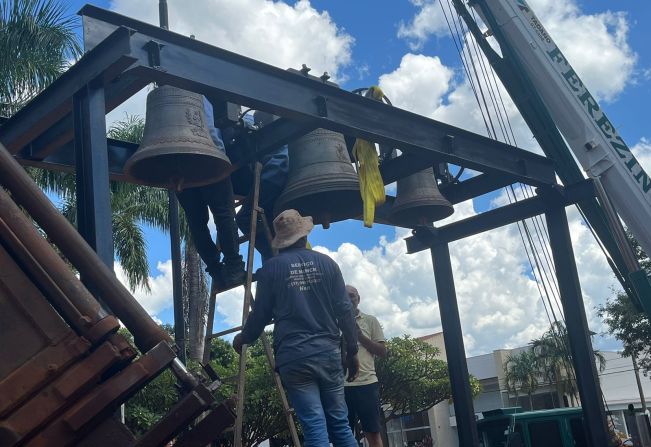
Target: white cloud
<point>595,44</point>
<point>642,151</point>
<point>499,301</point>
<point>418,84</point>
<point>269,31</point>
<point>160,296</point>
<point>428,21</point>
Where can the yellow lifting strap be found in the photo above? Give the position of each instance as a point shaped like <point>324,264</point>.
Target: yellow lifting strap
<point>371,185</point>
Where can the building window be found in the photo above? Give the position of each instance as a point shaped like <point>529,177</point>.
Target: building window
<point>410,431</point>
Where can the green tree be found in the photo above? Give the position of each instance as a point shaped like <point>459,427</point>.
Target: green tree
<point>413,378</point>
<point>521,374</point>
<point>264,417</point>
<point>37,41</point>
<point>554,360</point>
<point>628,324</point>
<point>195,286</point>
<point>131,206</point>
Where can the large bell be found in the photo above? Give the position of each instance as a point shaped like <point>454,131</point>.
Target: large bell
<point>176,150</point>
<point>322,182</point>
<point>419,201</point>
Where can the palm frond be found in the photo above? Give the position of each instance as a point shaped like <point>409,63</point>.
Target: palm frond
<point>130,129</point>
<point>131,249</point>
<point>37,43</point>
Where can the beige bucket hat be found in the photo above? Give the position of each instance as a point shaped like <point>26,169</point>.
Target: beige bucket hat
<point>290,226</point>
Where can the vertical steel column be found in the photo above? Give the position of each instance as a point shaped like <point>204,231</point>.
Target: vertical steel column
<point>177,285</point>
<point>93,194</point>
<point>175,237</point>
<point>453,337</point>
<point>577,326</point>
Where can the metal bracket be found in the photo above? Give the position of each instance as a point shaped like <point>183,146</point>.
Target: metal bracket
<point>425,234</point>
<point>153,49</point>
<point>321,106</point>
<point>448,144</point>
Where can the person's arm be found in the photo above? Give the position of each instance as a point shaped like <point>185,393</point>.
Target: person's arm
<point>344,313</point>
<point>375,344</point>
<point>215,133</point>
<point>260,315</point>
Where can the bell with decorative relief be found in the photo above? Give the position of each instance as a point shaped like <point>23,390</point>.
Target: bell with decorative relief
<point>177,150</point>
<point>322,182</point>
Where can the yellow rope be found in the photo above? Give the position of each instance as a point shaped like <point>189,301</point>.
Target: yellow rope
<point>370,181</point>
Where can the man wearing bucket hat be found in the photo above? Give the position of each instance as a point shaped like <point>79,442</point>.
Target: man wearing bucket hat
<point>304,292</point>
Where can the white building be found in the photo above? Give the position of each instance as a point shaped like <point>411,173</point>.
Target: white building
<point>618,384</point>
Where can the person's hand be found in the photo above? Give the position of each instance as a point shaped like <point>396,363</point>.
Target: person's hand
<point>237,343</point>
<point>352,366</point>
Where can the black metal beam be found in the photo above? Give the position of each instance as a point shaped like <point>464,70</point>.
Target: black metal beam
<point>196,66</point>
<point>60,134</point>
<point>406,164</point>
<point>93,196</point>
<point>279,133</point>
<point>424,237</point>
<point>474,187</point>
<point>454,348</point>
<point>105,62</point>
<point>577,327</point>
<point>63,160</point>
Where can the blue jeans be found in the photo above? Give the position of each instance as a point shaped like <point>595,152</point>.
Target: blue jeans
<point>315,386</point>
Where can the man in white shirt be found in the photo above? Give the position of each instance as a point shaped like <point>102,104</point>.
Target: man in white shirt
<point>363,394</point>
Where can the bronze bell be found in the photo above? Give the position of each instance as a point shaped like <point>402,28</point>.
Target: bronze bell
<point>322,182</point>
<point>176,150</point>
<point>419,201</point>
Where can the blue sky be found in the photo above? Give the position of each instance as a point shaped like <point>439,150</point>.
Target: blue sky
<point>382,42</point>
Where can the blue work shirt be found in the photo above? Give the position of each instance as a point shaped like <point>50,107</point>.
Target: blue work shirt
<point>304,292</point>
<point>215,133</point>
<point>275,165</point>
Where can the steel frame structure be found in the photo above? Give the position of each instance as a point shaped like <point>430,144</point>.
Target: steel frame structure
<point>63,129</point>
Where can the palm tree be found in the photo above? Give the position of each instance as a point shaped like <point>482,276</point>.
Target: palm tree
<point>37,41</point>
<point>554,360</point>
<point>521,374</point>
<point>131,205</point>
<point>153,210</point>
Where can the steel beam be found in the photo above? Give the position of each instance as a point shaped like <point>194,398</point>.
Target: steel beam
<point>105,62</point>
<point>59,134</point>
<point>196,66</point>
<point>577,327</point>
<point>63,160</point>
<point>406,164</point>
<point>474,187</point>
<point>454,347</point>
<point>279,133</point>
<point>424,237</point>
<point>94,215</point>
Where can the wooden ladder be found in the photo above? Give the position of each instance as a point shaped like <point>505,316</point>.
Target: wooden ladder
<point>256,212</point>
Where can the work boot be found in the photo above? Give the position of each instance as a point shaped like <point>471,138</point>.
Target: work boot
<point>232,275</point>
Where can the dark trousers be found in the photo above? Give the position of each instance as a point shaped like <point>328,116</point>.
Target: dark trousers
<point>218,197</point>
<point>267,199</point>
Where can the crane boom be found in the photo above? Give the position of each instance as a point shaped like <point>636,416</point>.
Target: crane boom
<point>591,136</point>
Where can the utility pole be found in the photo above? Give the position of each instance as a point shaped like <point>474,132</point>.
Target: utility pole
<point>639,383</point>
